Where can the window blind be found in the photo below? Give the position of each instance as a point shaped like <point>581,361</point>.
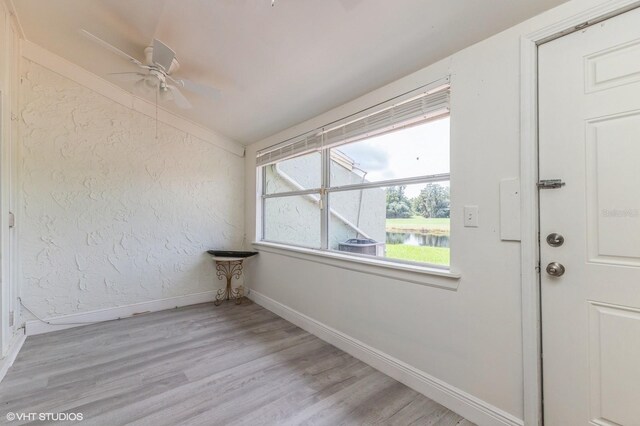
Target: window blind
<point>417,109</point>
<point>413,111</point>
<point>293,148</point>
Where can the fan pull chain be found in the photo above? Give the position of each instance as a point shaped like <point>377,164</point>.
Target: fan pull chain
<point>156,114</point>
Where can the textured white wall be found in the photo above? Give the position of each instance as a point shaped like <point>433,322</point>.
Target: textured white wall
<point>111,215</point>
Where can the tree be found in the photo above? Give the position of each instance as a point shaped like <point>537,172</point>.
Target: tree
<point>433,201</point>
<point>398,205</point>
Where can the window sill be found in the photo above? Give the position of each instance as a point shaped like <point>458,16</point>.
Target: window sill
<point>424,275</point>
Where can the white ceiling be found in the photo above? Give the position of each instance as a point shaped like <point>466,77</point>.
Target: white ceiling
<point>277,66</point>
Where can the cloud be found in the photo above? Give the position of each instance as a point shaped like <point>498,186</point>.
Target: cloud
<point>367,157</point>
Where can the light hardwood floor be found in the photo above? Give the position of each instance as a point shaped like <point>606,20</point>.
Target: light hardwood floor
<point>226,365</point>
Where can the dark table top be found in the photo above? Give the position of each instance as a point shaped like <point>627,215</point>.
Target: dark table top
<point>231,253</point>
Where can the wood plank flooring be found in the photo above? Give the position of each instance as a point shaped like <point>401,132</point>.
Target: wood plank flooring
<point>206,365</point>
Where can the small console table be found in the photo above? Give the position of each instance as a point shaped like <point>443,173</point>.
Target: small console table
<point>229,265</point>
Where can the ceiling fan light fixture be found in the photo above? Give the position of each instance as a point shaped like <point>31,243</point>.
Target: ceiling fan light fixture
<point>151,81</point>
<point>143,86</point>
<point>165,94</point>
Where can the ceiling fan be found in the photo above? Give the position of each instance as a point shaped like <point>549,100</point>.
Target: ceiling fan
<point>157,76</point>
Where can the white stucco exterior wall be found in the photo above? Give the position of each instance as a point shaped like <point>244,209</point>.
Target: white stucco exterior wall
<point>110,215</point>
<point>296,219</point>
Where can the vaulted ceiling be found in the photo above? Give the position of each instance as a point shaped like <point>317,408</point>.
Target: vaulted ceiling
<point>277,66</point>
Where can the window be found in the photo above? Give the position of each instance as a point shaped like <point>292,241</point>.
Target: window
<point>373,186</point>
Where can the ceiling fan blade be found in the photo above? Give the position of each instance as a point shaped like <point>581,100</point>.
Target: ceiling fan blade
<point>162,54</point>
<point>199,88</point>
<point>127,76</point>
<point>111,48</point>
<point>178,97</point>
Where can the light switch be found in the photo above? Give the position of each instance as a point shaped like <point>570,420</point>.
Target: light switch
<point>471,216</point>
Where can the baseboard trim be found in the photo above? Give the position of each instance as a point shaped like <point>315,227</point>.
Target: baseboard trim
<point>14,349</point>
<point>468,406</point>
<point>63,322</point>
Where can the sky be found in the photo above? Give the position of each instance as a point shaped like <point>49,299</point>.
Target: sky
<point>417,151</point>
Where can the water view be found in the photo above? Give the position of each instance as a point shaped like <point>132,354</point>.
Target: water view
<point>418,239</point>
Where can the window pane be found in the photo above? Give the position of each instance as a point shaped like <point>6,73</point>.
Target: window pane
<point>294,174</point>
<point>409,223</point>
<point>293,220</point>
<point>416,151</point>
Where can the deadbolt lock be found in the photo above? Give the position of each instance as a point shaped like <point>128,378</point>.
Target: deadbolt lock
<point>555,239</point>
<point>555,269</point>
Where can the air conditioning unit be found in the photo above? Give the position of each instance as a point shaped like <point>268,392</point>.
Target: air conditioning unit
<point>362,246</point>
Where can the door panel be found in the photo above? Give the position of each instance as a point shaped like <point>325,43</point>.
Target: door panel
<point>613,184</point>
<point>613,342</point>
<point>589,136</point>
<point>612,67</point>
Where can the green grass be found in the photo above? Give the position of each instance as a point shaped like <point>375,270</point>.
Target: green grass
<point>419,224</point>
<point>433,255</point>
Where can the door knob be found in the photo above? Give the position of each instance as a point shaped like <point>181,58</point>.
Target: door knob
<point>555,269</point>
<point>555,239</point>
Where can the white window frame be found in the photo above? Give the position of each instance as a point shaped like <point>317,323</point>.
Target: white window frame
<point>326,189</point>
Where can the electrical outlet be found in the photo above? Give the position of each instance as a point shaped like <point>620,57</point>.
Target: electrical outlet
<point>471,216</point>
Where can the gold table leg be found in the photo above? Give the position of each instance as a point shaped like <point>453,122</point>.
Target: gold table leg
<point>228,270</point>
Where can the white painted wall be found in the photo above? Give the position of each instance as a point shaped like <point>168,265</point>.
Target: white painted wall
<point>112,215</point>
<point>471,338</point>
<point>9,47</point>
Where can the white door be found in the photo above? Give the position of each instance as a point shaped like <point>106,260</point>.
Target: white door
<point>589,112</point>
